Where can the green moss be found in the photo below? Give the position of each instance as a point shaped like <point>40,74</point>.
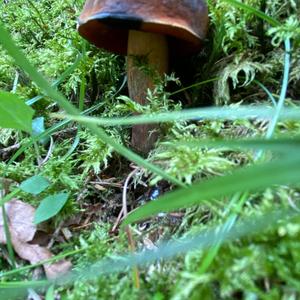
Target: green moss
<point>240,50</point>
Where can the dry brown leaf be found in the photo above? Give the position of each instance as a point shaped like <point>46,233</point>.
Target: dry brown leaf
<point>67,233</point>
<point>61,267</point>
<point>20,217</point>
<point>22,230</point>
<point>36,253</point>
<point>100,187</point>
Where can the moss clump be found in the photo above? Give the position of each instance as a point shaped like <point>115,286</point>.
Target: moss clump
<point>243,54</point>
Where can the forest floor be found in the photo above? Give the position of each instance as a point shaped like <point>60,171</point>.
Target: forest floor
<point>200,203</point>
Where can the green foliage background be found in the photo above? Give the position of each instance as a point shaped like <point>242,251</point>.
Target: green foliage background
<point>240,51</point>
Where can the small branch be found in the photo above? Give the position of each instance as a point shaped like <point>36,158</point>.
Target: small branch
<point>127,228</point>
<point>48,153</point>
<point>4,153</point>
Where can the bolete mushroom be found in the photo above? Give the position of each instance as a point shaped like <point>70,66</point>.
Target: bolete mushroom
<point>153,29</point>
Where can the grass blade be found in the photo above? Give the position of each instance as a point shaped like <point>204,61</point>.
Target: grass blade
<point>282,145</point>
<point>283,171</point>
<point>198,114</point>
<point>56,82</point>
<point>255,11</point>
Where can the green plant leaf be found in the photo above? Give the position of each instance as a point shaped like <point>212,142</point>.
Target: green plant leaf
<point>282,145</point>
<point>38,127</point>
<point>50,206</point>
<point>255,11</point>
<point>14,112</point>
<point>257,177</point>
<point>197,114</point>
<point>34,185</point>
<point>50,293</point>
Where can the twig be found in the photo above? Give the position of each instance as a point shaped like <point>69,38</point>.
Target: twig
<point>127,228</point>
<point>55,234</point>
<point>65,132</point>
<point>111,184</point>
<point>6,151</point>
<point>48,153</point>
<point>124,194</point>
<point>124,200</point>
<point>82,226</point>
<point>85,189</point>
<point>118,220</point>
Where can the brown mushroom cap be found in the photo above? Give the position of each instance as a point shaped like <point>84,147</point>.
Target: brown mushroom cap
<point>106,23</point>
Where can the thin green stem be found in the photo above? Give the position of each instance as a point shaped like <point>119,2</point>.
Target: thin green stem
<point>83,80</point>
<point>287,58</point>
<point>8,197</point>
<point>267,92</point>
<point>194,85</point>
<point>50,260</point>
<point>10,248</point>
<point>39,15</point>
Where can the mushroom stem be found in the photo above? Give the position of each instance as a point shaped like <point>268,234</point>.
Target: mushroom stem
<point>153,49</point>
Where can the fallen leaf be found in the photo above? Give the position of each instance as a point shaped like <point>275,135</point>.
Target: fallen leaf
<point>100,187</point>
<point>20,218</point>
<point>22,230</point>
<point>67,233</point>
<point>36,253</point>
<point>61,267</point>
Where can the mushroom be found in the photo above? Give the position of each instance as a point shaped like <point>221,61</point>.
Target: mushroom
<point>152,29</point>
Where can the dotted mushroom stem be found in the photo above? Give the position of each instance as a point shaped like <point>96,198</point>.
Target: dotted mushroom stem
<point>147,60</point>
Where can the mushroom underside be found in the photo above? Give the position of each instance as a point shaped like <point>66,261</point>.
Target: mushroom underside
<point>111,33</point>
